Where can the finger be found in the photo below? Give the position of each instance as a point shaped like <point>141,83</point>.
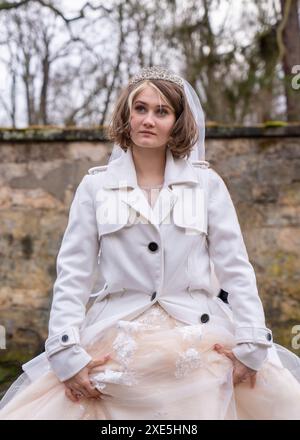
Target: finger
<point>94,394</point>
<point>81,392</point>
<point>90,390</point>
<point>253,380</point>
<point>70,395</point>
<point>238,378</point>
<point>78,391</point>
<point>221,350</point>
<point>230,355</point>
<point>96,362</point>
<point>237,381</point>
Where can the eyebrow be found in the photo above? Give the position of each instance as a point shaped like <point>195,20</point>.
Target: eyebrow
<point>162,105</point>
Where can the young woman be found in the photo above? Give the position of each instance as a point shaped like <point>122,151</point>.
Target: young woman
<point>157,229</point>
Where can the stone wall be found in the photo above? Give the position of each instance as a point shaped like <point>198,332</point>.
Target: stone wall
<point>40,170</point>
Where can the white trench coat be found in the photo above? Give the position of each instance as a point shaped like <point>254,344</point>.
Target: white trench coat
<point>144,255</point>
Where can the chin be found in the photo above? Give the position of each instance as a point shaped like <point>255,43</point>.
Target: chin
<point>146,145</point>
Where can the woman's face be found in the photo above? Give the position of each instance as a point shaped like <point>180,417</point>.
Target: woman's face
<point>151,113</point>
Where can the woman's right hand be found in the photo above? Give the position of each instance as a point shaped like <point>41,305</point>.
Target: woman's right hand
<point>80,386</point>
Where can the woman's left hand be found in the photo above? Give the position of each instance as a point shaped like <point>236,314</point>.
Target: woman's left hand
<point>241,373</point>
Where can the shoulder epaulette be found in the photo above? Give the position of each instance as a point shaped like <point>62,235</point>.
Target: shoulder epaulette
<point>96,170</point>
<point>201,164</point>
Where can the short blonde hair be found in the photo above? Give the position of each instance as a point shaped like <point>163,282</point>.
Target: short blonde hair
<point>184,133</point>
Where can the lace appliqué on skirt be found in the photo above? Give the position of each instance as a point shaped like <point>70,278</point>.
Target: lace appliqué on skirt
<point>188,361</point>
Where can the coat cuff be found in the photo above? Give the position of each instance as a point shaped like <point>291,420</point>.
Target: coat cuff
<point>251,355</point>
<point>256,335</point>
<point>68,362</point>
<point>62,340</point>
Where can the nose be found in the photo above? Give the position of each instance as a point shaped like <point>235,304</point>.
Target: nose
<point>148,120</point>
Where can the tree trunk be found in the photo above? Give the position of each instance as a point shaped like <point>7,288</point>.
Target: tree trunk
<point>291,55</point>
<point>43,116</point>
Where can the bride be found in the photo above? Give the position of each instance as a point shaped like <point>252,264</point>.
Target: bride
<point>157,230</point>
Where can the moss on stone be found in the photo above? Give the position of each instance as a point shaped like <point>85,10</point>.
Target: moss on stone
<point>284,264</point>
<point>11,366</point>
<point>9,371</point>
<point>267,124</point>
<point>52,133</point>
<point>16,356</point>
<point>99,133</point>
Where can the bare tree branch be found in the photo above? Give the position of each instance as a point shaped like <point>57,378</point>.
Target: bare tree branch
<point>14,5</point>
<point>5,6</point>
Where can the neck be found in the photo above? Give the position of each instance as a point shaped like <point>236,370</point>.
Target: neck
<point>149,164</point>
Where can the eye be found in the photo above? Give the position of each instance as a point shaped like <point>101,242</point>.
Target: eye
<point>139,107</point>
<point>161,111</point>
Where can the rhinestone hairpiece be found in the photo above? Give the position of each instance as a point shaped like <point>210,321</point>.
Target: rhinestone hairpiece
<point>156,72</point>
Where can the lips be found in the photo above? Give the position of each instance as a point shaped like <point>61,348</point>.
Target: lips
<point>147,132</point>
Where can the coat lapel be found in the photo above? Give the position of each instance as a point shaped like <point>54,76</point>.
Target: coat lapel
<point>121,176</point>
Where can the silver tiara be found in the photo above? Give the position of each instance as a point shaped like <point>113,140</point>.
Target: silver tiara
<point>156,72</point>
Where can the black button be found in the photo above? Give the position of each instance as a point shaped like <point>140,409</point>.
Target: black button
<point>204,318</point>
<point>223,296</point>
<point>153,296</point>
<point>153,246</point>
<point>64,338</point>
<point>269,336</point>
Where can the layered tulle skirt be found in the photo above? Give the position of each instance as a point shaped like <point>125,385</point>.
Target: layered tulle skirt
<point>161,368</point>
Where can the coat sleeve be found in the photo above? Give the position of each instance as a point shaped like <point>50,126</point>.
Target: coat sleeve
<point>236,274</point>
<point>75,265</point>
<point>251,355</point>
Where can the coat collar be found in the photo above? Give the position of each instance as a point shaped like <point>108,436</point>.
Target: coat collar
<point>121,172</point>
<point>121,175</point>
